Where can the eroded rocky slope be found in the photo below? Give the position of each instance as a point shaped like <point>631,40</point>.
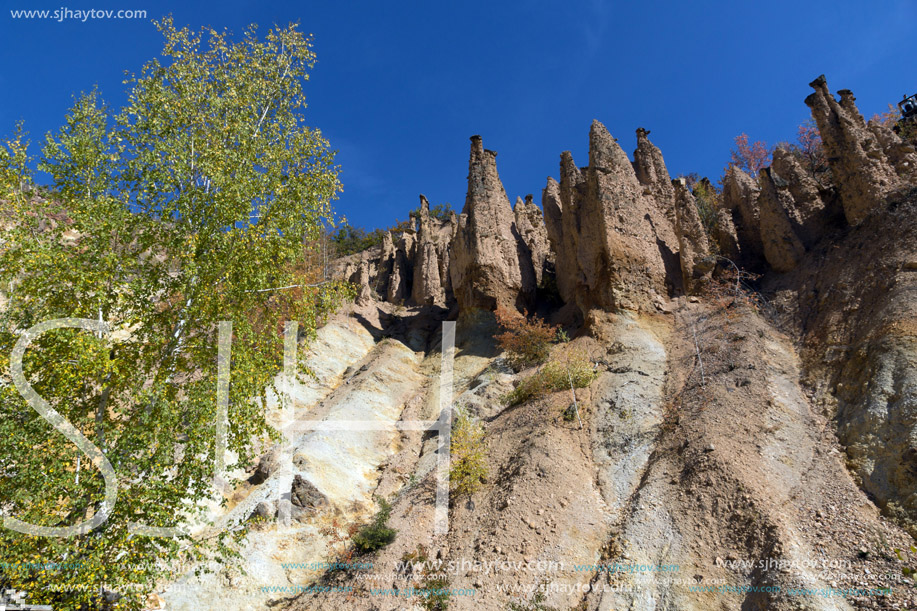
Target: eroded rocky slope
<point>764,445</point>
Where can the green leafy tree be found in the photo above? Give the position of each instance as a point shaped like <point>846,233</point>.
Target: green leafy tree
<point>349,239</point>
<point>188,207</point>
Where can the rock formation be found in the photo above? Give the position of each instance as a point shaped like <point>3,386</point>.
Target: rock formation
<point>385,266</point>
<point>694,248</point>
<point>397,285</point>
<point>531,228</point>
<point>811,212</point>
<point>726,237</point>
<point>900,154</point>
<point>651,172</point>
<point>749,453</point>
<point>858,162</point>
<point>305,497</point>
<point>561,228</point>
<point>615,246</point>
<point>618,234</point>
<point>364,297</point>
<point>428,286</point>
<point>782,247</point>
<point>740,198</point>
<point>485,261</point>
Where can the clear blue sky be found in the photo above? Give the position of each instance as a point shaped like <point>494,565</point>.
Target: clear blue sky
<point>400,86</point>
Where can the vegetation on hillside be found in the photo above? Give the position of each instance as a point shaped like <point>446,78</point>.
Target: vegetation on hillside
<point>751,158</point>
<point>377,534</point>
<point>570,369</point>
<point>526,341</point>
<point>468,466</point>
<point>191,205</point>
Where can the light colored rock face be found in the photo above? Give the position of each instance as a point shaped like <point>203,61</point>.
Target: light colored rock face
<point>651,172</point>
<point>331,471</point>
<point>878,417</point>
<point>782,247</point>
<point>740,197</point>
<point>615,246</point>
<point>629,407</point>
<point>336,347</point>
<point>531,228</point>
<point>341,464</point>
<point>858,162</point>
<point>694,248</point>
<point>487,262</point>
<point>741,486</point>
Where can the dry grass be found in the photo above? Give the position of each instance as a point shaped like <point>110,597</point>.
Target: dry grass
<point>571,368</point>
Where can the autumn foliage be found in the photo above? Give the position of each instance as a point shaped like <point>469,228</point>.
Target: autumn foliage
<point>751,158</point>
<point>527,341</point>
<point>810,143</point>
<point>889,118</point>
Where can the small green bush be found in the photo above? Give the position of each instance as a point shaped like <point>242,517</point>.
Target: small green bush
<point>555,375</point>
<point>469,457</point>
<point>376,534</point>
